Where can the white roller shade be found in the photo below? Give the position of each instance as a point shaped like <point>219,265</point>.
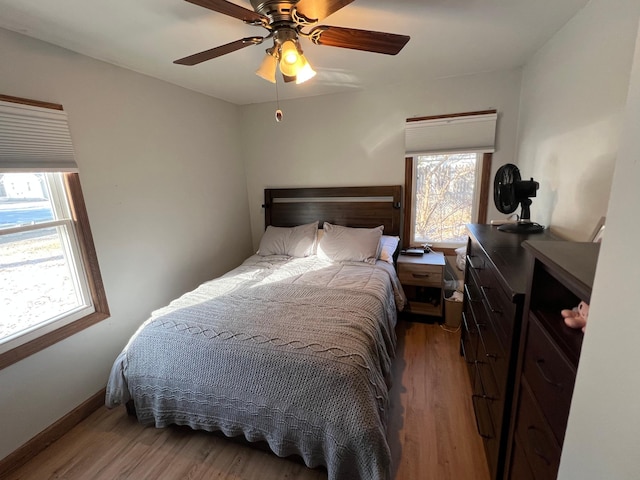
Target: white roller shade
<point>472,133</point>
<point>34,139</point>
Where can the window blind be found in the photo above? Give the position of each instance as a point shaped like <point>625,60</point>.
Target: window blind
<point>34,138</point>
<point>455,133</point>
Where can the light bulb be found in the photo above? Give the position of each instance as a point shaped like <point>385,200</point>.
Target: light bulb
<point>290,61</point>
<point>289,52</point>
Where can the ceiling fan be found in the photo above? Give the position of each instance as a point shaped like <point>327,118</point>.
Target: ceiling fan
<point>285,19</point>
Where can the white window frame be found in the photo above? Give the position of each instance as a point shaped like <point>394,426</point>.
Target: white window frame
<point>68,236</point>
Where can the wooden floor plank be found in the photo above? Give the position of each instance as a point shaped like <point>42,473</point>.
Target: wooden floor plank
<point>431,432</point>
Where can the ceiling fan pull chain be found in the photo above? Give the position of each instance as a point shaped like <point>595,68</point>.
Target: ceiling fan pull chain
<point>279,114</point>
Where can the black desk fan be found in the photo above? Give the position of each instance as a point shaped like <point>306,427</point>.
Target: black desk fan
<point>509,191</point>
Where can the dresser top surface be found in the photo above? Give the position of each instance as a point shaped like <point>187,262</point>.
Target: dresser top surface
<point>575,262</point>
<point>505,251</point>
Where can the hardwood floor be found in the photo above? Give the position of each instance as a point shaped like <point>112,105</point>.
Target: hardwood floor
<point>432,432</point>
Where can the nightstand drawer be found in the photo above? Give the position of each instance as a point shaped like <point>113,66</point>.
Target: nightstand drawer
<point>423,275</point>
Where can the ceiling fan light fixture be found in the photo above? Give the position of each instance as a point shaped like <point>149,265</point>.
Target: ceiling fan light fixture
<point>268,67</point>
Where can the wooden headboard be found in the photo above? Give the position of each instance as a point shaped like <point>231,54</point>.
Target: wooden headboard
<point>364,207</point>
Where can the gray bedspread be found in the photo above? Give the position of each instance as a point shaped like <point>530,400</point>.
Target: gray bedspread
<point>295,352</point>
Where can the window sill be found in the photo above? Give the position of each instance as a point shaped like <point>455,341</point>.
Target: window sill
<point>23,351</point>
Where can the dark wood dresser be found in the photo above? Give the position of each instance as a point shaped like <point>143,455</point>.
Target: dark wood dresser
<point>560,276</point>
<point>495,286</point>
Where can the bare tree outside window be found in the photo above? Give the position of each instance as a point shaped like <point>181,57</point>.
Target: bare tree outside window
<point>444,194</point>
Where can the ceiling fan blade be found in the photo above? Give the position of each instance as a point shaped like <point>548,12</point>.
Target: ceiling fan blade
<point>368,41</point>
<point>219,51</point>
<point>316,10</point>
<point>231,9</point>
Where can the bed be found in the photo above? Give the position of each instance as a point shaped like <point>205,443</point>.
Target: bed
<point>293,347</point>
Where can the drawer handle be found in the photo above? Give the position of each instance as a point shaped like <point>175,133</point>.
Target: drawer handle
<point>483,289</point>
<point>487,355</point>
<point>475,414</point>
<point>463,352</point>
<point>466,323</point>
<point>479,324</point>
<point>470,262</point>
<point>469,296</point>
<point>533,440</point>
<point>420,275</point>
<point>540,365</point>
<point>470,329</point>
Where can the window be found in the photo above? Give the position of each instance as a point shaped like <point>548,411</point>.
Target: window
<point>444,193</point>
<point>447,176</point>
<point>44,286</point>
<point>50,283</point>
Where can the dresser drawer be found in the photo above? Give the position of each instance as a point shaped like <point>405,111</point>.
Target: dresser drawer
<point>476,257</point>
<point>491,353</point>
<point>538,441</point>
<point>492,367</point>
<point>483,378</point>
<point>550,376</point>
<point>480,265</point>
<point>486,424</point>
<point>520,468</point>
<point>468,340</point>
<point>421,275</point>
<point>488,348</point>
<point>501,308</point>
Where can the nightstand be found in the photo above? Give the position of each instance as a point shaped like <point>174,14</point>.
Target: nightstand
<point>422,279</point>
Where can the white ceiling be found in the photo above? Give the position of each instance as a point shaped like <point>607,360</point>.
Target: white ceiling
<point>448,38</point>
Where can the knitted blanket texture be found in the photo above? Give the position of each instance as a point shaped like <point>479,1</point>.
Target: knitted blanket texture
<point>294,352</point>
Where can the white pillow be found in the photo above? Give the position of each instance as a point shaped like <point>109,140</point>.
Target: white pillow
<point>297,241</point>
<point>387,248</point>
<point>318,238</point>
<point>346,244</point>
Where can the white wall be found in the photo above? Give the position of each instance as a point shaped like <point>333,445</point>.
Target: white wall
<point>358,138</point>
<point>574,109</point>
<point>573,96</point>
<point>602,439</point>
<point>165,189</point>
